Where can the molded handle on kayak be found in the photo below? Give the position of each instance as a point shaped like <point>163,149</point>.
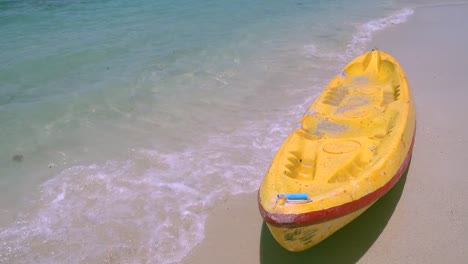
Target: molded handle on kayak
<point>294,196</point>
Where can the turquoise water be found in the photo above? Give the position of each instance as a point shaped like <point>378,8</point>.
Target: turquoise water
<point>124,122</point>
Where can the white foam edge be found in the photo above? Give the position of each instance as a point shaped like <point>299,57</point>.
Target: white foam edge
<point>364,32</point>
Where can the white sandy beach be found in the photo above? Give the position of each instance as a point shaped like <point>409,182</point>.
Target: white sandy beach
<point>424,218</point>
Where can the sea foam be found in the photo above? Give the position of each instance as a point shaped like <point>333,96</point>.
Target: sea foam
<point>149,208</point>
<point>364,32</point>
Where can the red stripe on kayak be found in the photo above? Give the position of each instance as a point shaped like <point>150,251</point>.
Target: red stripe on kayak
<point>316,217</point>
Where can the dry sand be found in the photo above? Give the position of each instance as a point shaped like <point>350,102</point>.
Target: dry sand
<point>424,218</point>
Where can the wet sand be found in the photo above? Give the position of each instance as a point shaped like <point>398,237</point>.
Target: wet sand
<point>424,218</point>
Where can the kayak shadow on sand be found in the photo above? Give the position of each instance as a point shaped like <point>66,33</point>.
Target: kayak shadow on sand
<point>347,245</point>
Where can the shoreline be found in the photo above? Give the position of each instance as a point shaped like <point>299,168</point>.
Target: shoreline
<point>423,218</point>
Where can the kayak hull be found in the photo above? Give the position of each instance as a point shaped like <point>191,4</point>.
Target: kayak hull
<point>302,238</point>
<point>354,144</point>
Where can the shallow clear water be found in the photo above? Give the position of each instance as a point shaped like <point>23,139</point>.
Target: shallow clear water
<point>123,123</point>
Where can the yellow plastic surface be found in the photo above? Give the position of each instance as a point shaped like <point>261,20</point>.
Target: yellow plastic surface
<point>352,141</point>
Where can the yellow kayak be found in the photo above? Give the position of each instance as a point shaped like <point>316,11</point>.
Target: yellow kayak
<point>352,146</point>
